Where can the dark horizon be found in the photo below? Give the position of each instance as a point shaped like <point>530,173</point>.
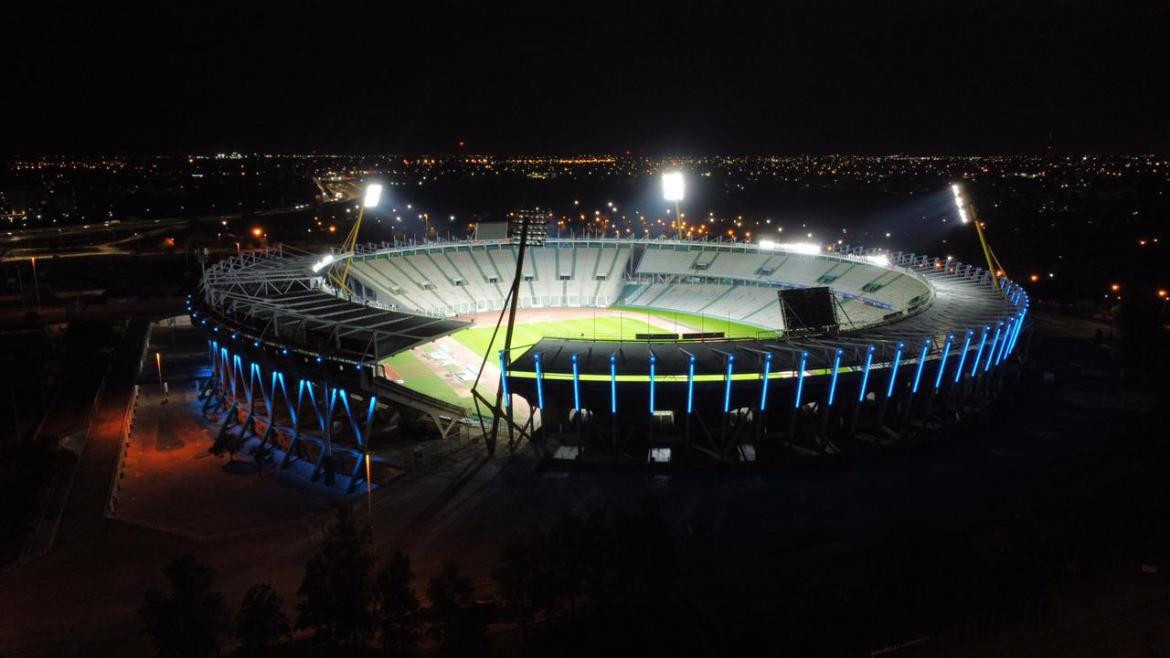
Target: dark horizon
<point>916,78</point>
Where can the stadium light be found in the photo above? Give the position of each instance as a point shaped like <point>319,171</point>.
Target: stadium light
<point>795,247</point>
<point>673,186</point>
<point>673,189</point>
<point>325,261</point>
<point>373,195</point>
<point>959,202</point>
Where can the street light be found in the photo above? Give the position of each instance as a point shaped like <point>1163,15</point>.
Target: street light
<point>673,189</point>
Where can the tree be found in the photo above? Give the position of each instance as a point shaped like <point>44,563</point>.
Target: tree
<point>190,620</point>
<point>455,622</point>
<point>523,576</point>
<point>336,592</point>
<point>261,622</point>
<point>396,606</point>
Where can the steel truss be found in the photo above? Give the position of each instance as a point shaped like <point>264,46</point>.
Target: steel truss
<point>279,417</point>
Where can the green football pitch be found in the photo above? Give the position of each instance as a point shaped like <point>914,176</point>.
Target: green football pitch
<point>626,325</point>
<point>615,323</point>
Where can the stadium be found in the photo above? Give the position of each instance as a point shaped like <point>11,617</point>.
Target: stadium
<point>653,351</point>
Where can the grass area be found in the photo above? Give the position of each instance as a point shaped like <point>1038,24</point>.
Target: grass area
<point>632,321</point>
<point>416,375</point>
<point>704,322</point>
<point>477,339</point>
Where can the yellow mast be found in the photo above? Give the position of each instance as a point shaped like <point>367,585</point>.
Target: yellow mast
<point>340,280</point>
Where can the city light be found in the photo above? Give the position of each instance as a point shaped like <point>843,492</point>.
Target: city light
<point>673,186</point>
<point>373,195</point>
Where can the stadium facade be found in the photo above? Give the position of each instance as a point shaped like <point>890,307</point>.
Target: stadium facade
<point>919,341</point>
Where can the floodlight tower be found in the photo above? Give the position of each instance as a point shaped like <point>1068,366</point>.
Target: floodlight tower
<point>673,189</point>
<point>967,215</point>
<point>372,196</point>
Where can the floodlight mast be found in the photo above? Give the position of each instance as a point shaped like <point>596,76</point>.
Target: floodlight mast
<point>967,215</point>
<point>373,194</point>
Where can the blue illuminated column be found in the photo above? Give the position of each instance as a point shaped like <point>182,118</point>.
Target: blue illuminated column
<point>653,360</point>
<point>991,350</point>
<point>800,379</point>
<point>865,374</point>
<point>942,363</point>
<point>833,378</point>
<point>504,378</point>
<point>894,370</point>
<point>764,387</point>
<point>690,383</point>
<point>613,383</point>
<point>539,381</point>
<point>1007,333</point>
<point>1016,333</point>
<point>963,355</point>
<point>727,384</point>
<point>921,365</point>
<point>576,385</point>
<point>979,352</point>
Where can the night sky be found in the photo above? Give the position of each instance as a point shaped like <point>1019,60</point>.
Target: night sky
<point>875,77</point>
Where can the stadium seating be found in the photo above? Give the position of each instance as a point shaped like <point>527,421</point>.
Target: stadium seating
<point>723,281</point>
<point>446,279</point>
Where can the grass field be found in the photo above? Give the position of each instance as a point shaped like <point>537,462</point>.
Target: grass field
<point>431,371</point>
<point>416,375</point>
<point>697,322</point>
<point>625,326</point>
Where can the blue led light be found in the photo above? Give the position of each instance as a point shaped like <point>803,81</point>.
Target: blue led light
<point>1016,333</point>
<point>991,350</point>
<point>800,379</point>
<point>613,383</point>
<point>833,379</point>
<point>653,359</point>
<point>865,373</point>
<point>576,385</point>
<point>690,383</point>
<point>963,356</point>
<point>504,379</point>
<point>999,354</point>
<point>942,363</point>
<point>764,388</point>
<point>539,382</point>
<point>727,384</point>
<point>979,352</point>
<point>921,365</point>
<point>894,369</point>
